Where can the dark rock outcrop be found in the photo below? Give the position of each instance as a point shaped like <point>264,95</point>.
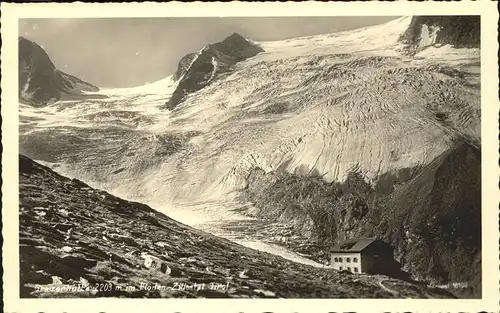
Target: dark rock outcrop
<point>184,64</point>
<point>432,217</point>
<point>40,82</point>
<point>110,249</point>
<point>435,219</point>
<point>459,31</point>
<point>208,63</point>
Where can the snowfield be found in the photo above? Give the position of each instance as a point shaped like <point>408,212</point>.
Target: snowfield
<point>331,103</point>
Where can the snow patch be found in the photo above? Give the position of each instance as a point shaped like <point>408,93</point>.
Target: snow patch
<point>214,70</point>
<point>428,36</point>
<point>163,86</point>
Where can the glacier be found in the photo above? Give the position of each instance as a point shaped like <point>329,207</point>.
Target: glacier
<point>329,104</point>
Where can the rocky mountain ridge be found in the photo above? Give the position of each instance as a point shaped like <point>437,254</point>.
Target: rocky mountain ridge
<point>458,31</point>
<point>195,71</point>
<point>40,82</point>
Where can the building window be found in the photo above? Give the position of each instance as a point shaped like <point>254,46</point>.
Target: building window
<point>348,260</point>
<point>355,260</point>
<point>356,270</point>
<point>340,268</point>
<point>349,269</point>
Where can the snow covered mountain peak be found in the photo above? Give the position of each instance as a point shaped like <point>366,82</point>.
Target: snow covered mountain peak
<point>376,40</point>
<point>400,38</point>
<point>329,103</point>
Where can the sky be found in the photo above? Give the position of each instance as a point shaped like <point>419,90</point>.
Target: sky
<point>126,52</point>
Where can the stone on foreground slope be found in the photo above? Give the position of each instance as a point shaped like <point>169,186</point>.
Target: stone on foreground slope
<point>71,234</point>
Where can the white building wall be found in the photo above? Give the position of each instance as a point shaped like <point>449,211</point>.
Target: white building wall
<point>346,261</point>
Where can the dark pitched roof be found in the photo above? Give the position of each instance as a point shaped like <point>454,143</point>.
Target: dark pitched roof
<point>353,245</point>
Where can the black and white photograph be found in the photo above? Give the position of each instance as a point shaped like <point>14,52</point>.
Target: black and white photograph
<point>332,157</point>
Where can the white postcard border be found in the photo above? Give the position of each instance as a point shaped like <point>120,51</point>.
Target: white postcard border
<point>490,169</point>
